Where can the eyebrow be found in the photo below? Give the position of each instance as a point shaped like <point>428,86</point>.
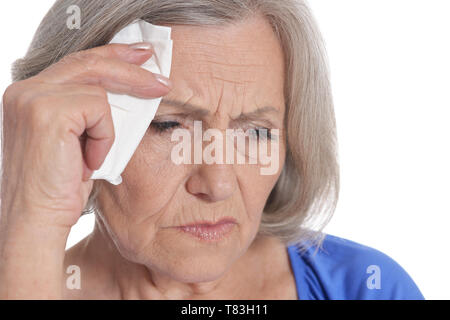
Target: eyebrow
<point>194,110</point>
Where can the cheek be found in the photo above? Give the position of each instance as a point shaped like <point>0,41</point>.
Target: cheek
<point>256,187</point>
<point>133,210</point>
<point>151,178</point>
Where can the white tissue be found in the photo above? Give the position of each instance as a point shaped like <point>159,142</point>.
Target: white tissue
<point>132,116</point>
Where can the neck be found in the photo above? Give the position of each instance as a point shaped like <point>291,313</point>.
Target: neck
<point>106,273</point>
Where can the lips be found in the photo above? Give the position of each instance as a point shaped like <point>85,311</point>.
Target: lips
<point>208,231</point>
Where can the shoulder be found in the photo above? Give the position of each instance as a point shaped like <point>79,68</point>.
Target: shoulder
<point>343,269</point>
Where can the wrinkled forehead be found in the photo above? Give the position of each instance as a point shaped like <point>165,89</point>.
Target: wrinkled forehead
<point>238,67</point>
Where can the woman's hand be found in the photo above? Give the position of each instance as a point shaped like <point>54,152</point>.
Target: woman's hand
<point>57,129</point>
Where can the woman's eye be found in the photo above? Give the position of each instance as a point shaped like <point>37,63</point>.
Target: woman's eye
<point>261,133</point>
<point>164,125</point>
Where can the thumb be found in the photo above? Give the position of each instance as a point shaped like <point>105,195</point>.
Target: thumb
<point>98,140</point>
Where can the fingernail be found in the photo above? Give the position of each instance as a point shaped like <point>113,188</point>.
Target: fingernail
<point>163,80</point>
<point>141,46</point>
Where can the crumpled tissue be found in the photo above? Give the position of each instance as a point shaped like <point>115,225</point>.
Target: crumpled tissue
<point>132,116</point>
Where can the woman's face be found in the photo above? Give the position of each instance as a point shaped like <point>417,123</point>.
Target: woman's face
<point>229,72</point>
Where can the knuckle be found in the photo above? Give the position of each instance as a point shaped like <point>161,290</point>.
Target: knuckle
<point>101,104</point>
<point>106,109</point>
<point>16,93</point>
<point>38,110</point>
<point>116,50</point>
<point>16,97</point>
<point>86,61</point>
<point>9,108</point>
<point>9,94</point>
<point>100,92</point>
<point>101,107</point>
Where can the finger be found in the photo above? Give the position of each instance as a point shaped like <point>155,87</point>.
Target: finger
<point>135,54</point>
<point>98,130</point>
<point>89,118</point>
<point>100,138</point>
<point>110,67</point>
<point>87,173</point>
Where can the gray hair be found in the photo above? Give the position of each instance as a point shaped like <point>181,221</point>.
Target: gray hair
<point>305,196</point>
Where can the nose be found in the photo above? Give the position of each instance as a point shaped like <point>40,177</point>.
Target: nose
<point>212,182</point>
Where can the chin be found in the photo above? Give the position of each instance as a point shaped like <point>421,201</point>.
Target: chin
<point>190,262</point>
<point>194,270</point>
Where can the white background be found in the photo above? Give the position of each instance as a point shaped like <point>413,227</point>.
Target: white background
<point>390,68</point>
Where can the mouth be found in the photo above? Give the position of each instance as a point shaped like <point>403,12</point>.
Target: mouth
<point>208,231</point>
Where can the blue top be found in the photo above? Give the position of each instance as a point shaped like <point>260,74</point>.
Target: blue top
<point>346,270</point>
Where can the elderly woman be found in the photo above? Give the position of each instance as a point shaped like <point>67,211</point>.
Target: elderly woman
<point>179,231</point>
